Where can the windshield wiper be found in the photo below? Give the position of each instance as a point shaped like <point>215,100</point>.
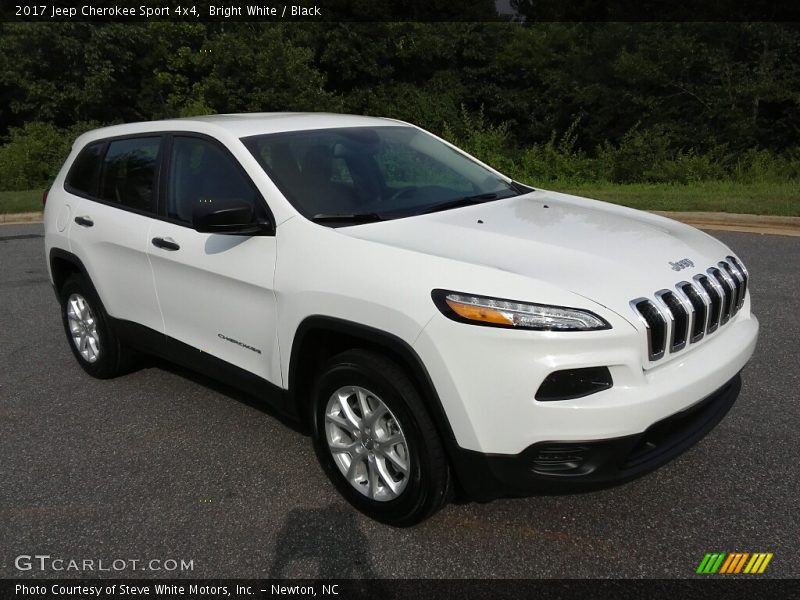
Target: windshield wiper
<point>459,202</point>
<point>347,218</point>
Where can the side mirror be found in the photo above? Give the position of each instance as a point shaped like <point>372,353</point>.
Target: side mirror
<point>227,216</point>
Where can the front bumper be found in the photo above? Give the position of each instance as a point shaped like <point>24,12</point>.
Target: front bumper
<point>486,379</point>
<point>575,466</point>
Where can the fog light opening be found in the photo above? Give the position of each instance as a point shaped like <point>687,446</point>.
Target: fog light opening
<point>558,458</point>
<point>574,383</point>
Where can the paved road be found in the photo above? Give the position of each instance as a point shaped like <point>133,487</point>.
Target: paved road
<point>163,464</point>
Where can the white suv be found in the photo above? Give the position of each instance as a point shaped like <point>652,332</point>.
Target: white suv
<point>438,325</point>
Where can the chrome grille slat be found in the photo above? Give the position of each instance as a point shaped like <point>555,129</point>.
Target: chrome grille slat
<point>678,317</point>
<point>741,273</point>
<point>707,301</point>
<point>727,287</point>
<point>670,322</point>
<point>743,270</point>
<point>697,307</point>
<point>737,285</point>
<point>717,296</point>
<point>669,335</point>
<point>655,325</point>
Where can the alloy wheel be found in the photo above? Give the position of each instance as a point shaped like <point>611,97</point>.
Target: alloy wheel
<point>367,443</point>
<point>83,328</point>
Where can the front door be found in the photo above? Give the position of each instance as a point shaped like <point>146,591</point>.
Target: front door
<point>215,290</point>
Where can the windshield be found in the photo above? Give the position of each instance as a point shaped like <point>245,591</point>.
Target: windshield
<point>362,174</point>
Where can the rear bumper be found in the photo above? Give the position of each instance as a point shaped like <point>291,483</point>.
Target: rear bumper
<point>574,466</point>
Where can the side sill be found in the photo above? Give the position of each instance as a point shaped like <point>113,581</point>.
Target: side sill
<point>158,344</point>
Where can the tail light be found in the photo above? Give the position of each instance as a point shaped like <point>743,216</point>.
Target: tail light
<point>44,197</point>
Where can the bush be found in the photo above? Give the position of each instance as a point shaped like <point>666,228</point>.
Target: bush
<point>643,156</point>
<point>560,160</point>
<point>489,143</point>
<point>758,166</point>
<point>640,156</point>
<point>34,153</point>
<point>689,167</point>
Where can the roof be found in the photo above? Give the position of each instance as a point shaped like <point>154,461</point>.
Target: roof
<point>242,125</point>
<point>254,123</point>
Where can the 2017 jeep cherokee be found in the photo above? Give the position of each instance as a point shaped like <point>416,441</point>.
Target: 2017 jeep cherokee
<point>436,323</point>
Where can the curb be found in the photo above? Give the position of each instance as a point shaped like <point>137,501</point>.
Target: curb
<point>15,218</point>
<point>703,220</point>
<point>737,222</point>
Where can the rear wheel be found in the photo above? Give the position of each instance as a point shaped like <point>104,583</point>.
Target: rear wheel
<point>91,339</point>
<point>375,439</point>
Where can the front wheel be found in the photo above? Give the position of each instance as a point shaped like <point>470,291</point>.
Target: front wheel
<point>375,439</point>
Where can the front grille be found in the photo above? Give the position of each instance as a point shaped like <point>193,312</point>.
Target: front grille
<point>677,318</point>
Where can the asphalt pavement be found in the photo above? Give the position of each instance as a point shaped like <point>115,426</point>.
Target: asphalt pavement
<point>163,464</point>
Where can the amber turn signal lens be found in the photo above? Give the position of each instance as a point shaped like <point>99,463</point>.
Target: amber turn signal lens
<point>478,313</point>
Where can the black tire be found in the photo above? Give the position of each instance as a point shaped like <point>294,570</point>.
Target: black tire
<point>428,485</point>
<point>113,358</point>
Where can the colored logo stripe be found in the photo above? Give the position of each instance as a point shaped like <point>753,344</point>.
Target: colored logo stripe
<point>723,563</point>
<point>735,562</point>
<point>727,564</point>
<point>758,563</point>
<point>711,563</point>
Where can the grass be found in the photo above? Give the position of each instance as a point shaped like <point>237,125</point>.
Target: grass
<point>20,202</point>
<point>714,196</point>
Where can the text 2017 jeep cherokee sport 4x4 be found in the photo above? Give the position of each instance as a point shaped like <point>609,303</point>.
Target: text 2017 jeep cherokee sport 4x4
<point>435,322</point>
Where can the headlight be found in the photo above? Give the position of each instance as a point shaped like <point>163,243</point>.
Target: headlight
<point>496,312</point>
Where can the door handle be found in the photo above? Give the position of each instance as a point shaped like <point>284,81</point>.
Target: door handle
<point>84,221</point>
<point>165,243</point>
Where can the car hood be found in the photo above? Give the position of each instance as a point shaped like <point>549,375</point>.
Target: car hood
<point>601,251</point>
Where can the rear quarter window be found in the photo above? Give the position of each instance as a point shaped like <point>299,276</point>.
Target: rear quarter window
<point>84,175</point>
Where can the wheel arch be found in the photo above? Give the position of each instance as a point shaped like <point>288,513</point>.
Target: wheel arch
<point>319,337</point>
<point>62,265</point>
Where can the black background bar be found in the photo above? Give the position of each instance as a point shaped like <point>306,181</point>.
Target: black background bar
<point>745,586</point>
<point>530,11</point>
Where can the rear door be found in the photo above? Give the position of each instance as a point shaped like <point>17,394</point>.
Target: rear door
<point>215,291</point>
<point>115,207</point>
